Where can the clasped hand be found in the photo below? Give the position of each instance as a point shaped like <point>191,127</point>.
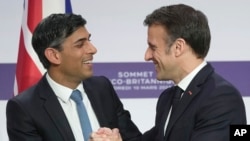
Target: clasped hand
<point>105,134</point>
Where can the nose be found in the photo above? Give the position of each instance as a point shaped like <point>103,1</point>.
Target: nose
<point>92,49</point>
<point>148,55</point>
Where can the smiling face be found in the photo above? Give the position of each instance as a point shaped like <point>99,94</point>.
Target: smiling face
<point>73,63</point>
<point>161,52</point>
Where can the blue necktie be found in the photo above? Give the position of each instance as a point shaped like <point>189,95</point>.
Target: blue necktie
<point>82,113</point>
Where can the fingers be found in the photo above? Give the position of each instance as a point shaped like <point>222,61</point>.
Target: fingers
<point>104,130</point>
<point>115,130</point>
<point>116,135</point>
<point>106,134</point>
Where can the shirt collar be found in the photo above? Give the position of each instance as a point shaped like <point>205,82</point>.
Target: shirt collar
<point>183,84</point>
<point>61,91</point>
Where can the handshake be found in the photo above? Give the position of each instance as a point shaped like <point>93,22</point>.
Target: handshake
<point>105,134</point>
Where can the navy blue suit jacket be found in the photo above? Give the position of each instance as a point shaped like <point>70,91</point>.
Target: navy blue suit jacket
<point>36,114</point>
<point>208,107</point>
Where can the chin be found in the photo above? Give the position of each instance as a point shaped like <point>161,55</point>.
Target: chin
<point>158,78</point>
<point>87,75</point>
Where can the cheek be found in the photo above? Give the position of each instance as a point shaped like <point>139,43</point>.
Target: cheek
<point>163,59</point>
<point>159,55</point>
<point>72,60</point>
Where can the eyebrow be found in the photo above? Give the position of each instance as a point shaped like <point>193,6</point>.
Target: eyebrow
<point>150,44</point>
<point>82,39</point>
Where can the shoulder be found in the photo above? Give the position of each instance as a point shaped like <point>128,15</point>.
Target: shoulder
<point>26,95</point>
<point>32,95</point>
<point>23,101</point>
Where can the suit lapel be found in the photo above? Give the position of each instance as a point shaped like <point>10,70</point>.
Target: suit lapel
<point>189,94</point>
<point>54,110</point>
<point>97,92</point>
<point>165,111</point>
<point>94,101</point>
<point>185,101</point>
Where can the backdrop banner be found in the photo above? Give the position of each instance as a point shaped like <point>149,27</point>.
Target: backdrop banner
<point>138,79</point>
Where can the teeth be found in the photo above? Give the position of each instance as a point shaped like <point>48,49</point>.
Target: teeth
<point>87,62</point>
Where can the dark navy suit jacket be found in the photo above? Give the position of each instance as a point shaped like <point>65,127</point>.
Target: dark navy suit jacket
<point>208,107</point>
<point>36,114</point>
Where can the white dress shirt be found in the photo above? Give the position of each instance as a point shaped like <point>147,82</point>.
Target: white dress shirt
<point>69,107</point>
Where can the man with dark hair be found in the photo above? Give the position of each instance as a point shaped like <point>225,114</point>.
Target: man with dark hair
<point>178,42</point>
<point>48,111</point>
<point>201,105</point>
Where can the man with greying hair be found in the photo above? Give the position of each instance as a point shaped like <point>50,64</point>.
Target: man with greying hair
<point>48,111</point>
<point>201,105</point>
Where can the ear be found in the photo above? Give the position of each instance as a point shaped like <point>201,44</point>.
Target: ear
<point>179,46</point>
<point>52,55</point>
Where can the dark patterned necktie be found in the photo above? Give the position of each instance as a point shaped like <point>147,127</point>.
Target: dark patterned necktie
<point>177,97</point>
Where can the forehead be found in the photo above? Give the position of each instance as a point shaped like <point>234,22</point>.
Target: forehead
<point>81,32</point>
<point>156,32</point>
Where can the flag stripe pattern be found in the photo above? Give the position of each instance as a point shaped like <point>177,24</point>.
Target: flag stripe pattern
<point>34,14</point>
<point>29,69</point>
